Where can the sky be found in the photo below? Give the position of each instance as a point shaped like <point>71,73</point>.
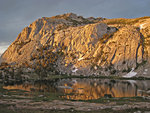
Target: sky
<point>17,14</point>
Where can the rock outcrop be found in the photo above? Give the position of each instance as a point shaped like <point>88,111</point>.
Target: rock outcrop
<point>81,46</point>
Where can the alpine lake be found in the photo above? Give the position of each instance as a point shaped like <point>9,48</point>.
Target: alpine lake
<point>79,95</point>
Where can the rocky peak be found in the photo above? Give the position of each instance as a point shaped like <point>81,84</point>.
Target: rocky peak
<point>68,15</point>
<point>75,45</point>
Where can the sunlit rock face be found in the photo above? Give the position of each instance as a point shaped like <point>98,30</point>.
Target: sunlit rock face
<point>88,89</point>
<point>83,46</point>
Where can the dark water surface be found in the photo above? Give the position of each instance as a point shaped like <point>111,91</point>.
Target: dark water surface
<point>87,89</point>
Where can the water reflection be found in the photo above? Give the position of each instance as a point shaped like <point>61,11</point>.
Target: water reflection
<point>38,86</point>
<point>93,89</point>
<point>86,89</point>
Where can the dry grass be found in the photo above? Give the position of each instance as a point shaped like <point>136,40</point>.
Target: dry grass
<point>124,20</point>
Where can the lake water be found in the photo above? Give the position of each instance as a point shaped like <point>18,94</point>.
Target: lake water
<point>87,89</point>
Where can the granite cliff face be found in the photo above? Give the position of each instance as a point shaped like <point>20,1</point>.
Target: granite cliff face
<point>71,44</point>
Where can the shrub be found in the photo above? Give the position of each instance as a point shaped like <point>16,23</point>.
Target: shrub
<point>113,71</point>
<point>124,62</point>
<point>4,64</point>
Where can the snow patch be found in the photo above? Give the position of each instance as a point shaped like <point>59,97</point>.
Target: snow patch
<point>130,74</point>
<point>146,70</point>
<point>74,69</point>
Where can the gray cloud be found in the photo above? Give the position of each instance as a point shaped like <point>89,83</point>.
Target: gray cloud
<point>3,47</point>
<point>17,14</point>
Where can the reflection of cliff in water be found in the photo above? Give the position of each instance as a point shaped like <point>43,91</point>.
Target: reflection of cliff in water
<point>38,86</point>
<point>85,89</point>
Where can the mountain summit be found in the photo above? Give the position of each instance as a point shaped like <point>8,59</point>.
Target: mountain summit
<point>71,44</point>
